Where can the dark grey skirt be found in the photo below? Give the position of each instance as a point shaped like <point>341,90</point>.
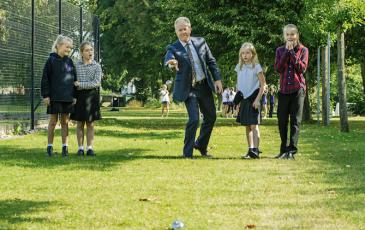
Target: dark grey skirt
<point>87,106</point>
<point>57,107</point>
<point>248,115</point>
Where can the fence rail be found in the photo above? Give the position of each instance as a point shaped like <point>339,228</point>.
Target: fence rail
<point>27,31</point>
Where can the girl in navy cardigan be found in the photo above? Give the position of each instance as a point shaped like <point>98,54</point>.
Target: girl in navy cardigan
<point>58,90</point>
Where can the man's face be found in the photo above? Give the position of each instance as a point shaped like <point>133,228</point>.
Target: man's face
<point>183,31</point>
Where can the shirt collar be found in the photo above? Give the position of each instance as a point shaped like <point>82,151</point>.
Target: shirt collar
<point>185,43</point>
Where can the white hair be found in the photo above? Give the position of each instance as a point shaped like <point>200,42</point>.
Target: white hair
<point>61,39</point>
<point>182,19</point>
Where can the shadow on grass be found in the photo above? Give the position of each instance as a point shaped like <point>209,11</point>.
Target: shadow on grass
<point>37,158</point>
<point>167,124</point>
<point>147,136</point>
<point>11,211</point>
<point>343,160</point>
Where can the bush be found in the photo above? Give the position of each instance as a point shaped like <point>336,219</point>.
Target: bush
<point>134,103</point>
<point>152,103</point>
<point>359,107</point>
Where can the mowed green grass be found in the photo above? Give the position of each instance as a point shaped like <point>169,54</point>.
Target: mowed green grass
<point>136,181</point>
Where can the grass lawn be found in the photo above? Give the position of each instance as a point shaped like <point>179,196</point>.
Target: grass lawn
<point>136,180</point>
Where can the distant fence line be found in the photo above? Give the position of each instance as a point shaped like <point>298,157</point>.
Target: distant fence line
<point>27,31</point>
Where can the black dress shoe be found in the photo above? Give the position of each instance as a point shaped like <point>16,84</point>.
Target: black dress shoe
<point>49,151</point>
<point>290,155</point>
<point>80,152</point>
<point>202,151</point>
<point>64,151</point>
<point>90,153</point>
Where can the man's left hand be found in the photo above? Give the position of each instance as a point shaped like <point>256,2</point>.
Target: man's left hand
<point>218,86</point>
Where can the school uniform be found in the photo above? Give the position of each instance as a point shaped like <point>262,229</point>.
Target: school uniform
<point>165,99</point>
<point>248,84</point>
<point>59,75</point>
<point>87,107</point>
<point>291,65</point>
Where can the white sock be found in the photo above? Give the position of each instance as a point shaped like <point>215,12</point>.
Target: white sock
<point>89,147</point>
<point>63,145</point>
<point>50,145</point>
<point>81,147</point>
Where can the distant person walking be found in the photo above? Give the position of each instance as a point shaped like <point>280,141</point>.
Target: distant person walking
<point>271,100</point>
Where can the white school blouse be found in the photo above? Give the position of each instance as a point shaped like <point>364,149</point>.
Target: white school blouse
<point>247,78</point>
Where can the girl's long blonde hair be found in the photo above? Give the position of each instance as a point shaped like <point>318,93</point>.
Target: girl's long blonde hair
<point>254,60</point>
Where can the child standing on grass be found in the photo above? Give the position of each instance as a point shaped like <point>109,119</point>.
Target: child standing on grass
<point>165,100</point>
<point>251,83</point>
<point>58,90</point>
<point>291,61</point>
<point>87,108</point>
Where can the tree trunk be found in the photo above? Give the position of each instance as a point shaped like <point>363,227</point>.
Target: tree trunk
<point>342,81</point>
<point>362,64</point>
<point>307,114</point>
<point>325,115</point>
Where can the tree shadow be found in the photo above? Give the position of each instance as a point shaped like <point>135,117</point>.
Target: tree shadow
<point>146,135</point>
<point>342,159</point>
<point>37,158</point>
<point>12,211</point>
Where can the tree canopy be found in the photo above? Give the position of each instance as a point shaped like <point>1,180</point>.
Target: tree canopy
<point>136,33</point>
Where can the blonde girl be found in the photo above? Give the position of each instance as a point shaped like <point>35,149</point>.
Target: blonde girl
<point>165,100</point>
<point>251,84</point>
<point>57,89</point>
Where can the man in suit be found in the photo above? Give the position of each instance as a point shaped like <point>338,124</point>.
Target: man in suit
<point>197,75</point>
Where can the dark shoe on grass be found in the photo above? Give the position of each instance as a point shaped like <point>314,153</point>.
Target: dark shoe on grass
<point>64,151</point>
<point>49,151</point>
<point>90,153</point>
<point>80,152</point>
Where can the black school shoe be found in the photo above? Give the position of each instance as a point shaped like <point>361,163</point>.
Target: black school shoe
<point>80,152</point>
<point>64,151</point>
<point>90,153</point>
<point>49,151</point>
<point>252,153</point>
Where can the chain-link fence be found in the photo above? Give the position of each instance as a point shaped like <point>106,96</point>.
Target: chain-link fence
<point>27,31</point>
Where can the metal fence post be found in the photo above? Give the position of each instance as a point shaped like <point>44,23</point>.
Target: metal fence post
<point>329,79</point>
<point>59,16</point>
<point>32,69</point>
<point>81,29</point>
<point>96,38</point>
<point>318,82</point>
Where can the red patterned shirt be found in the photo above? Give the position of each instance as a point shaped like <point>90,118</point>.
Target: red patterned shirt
<point>291,65</point>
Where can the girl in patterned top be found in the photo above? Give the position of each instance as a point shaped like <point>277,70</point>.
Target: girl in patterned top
<point>87,108</point>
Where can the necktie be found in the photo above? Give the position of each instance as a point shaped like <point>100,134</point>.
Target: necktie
<point>193,73</point>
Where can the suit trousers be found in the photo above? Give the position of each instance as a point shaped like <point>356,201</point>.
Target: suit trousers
<point>200,98</point>
<point>290,105</point>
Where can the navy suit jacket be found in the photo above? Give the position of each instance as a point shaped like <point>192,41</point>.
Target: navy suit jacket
<point>183,79</point>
